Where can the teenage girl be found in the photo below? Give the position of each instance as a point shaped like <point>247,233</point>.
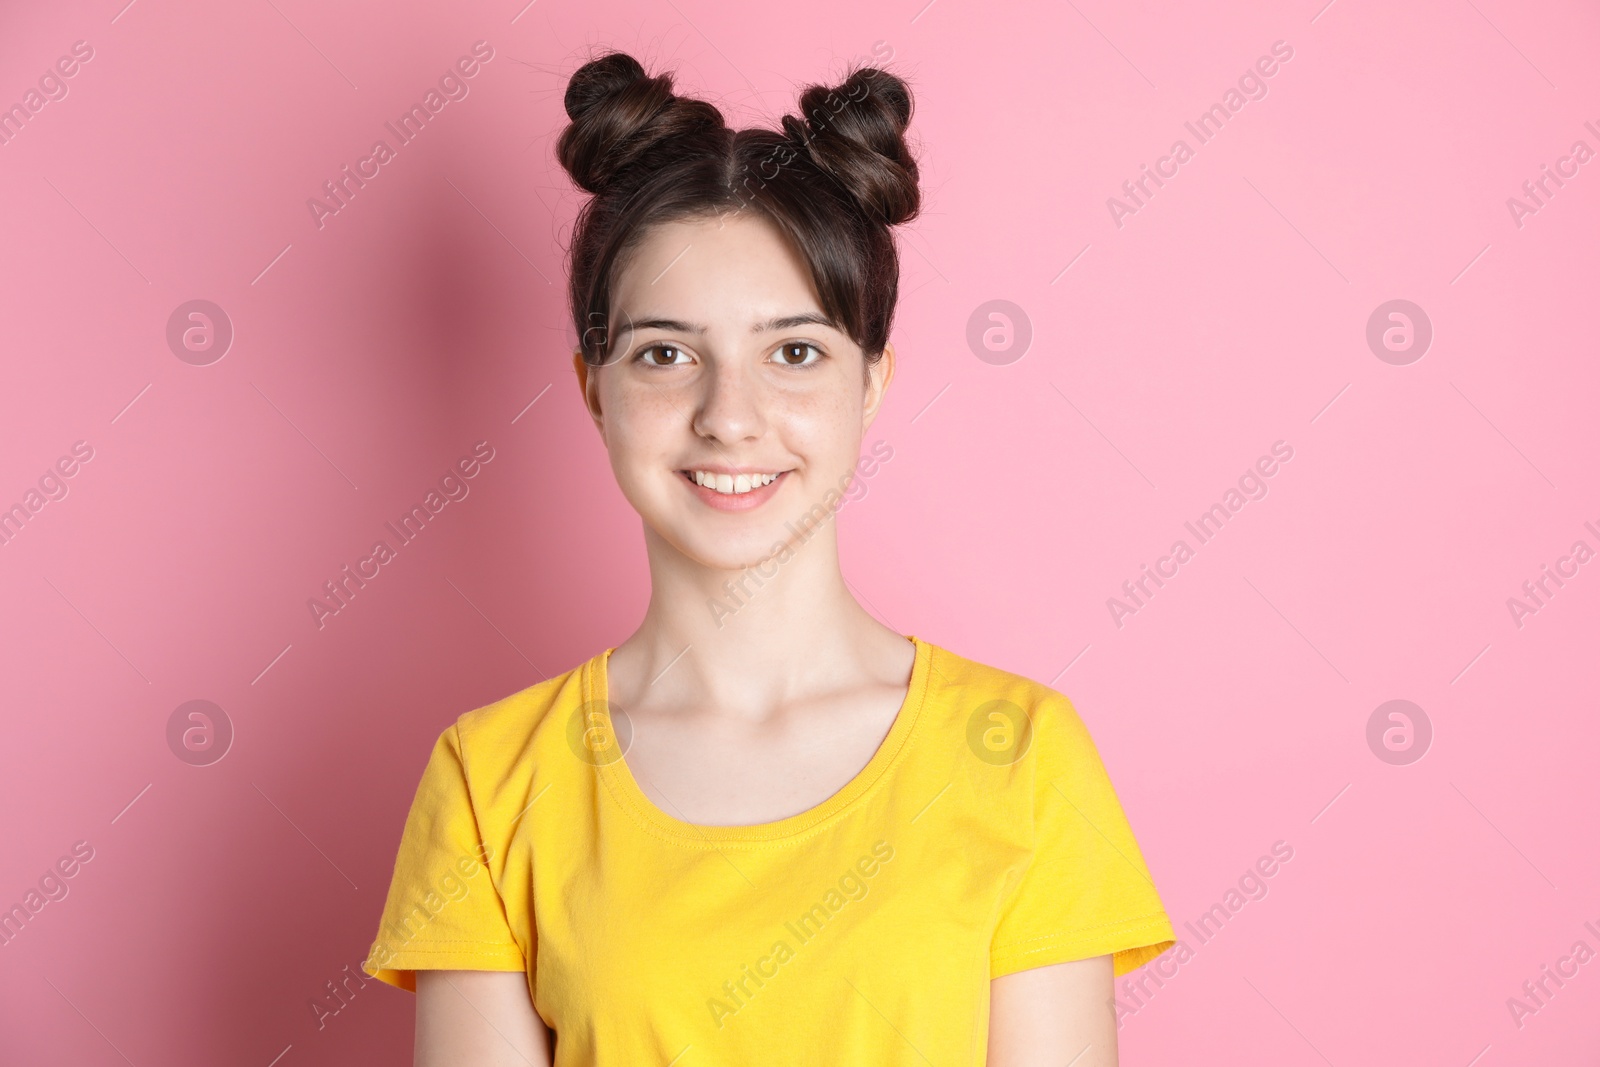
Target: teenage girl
<point>765,828</point>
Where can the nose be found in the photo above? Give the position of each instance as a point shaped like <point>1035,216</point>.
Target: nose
<point>729,408</point>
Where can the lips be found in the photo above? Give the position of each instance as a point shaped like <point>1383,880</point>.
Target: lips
<point>754,496</point>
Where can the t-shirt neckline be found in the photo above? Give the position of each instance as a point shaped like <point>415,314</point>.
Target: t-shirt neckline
<point>619,777</point>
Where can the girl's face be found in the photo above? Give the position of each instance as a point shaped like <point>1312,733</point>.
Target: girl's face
<point>724,371</point>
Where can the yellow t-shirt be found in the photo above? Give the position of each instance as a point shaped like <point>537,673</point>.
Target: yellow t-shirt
<point>982,838</point>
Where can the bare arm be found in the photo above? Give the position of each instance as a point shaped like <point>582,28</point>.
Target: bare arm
<point>478,1018</point>
<point>1054,1016</point>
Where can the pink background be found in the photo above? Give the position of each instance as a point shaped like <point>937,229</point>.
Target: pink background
<point>1228,313</point>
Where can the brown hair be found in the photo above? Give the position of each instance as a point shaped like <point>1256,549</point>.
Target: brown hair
<point>833,182</point>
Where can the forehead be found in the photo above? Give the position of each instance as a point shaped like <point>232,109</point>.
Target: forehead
<point>730,270</point>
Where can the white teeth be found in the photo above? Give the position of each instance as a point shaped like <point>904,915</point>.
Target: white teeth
<point>731,484</point>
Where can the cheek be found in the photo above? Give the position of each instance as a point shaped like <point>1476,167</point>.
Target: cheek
<point>641,425</point>
<point>823,422</point>
<point>647,432</point>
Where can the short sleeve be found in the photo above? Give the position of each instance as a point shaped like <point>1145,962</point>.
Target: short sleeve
<point>443,910</point>
<point>1086,890</point>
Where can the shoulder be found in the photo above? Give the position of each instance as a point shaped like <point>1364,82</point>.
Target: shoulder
<point>1016,718</point>
<point>957,680</point>
<point>500,734</point>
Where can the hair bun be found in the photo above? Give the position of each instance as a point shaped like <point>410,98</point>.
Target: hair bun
<point>618,112</point>
<point>855,131</point>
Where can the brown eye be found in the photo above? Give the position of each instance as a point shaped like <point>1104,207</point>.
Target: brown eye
<point>787,354</point>
<point>649,355</point>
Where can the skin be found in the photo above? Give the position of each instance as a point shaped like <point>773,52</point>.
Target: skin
<point>800,675</point>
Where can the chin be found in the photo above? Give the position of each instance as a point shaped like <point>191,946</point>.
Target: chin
<point>725,555</point>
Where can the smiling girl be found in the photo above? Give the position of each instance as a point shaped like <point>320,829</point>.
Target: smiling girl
<point>764,828</point>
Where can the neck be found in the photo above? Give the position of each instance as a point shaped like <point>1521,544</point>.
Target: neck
<point>746,640</point>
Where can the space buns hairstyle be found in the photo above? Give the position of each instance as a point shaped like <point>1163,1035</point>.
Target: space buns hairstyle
<point>834,179</point>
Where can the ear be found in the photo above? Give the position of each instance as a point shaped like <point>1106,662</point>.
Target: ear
<point>879,375</point>
<point>588,385</point>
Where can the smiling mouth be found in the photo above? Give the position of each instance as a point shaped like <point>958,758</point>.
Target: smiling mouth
<point>732,484</point>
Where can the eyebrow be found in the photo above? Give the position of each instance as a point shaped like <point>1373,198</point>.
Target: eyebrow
<point>786,322</point>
